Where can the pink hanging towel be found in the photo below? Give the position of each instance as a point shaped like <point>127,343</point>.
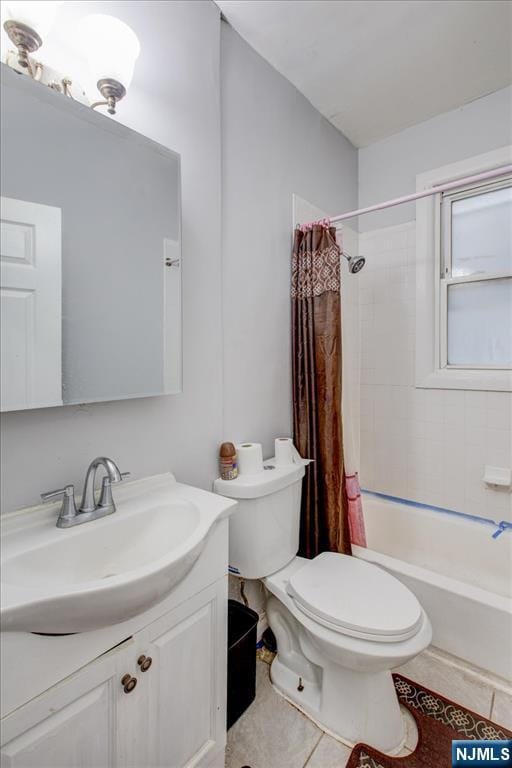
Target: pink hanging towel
<point>355,510</point>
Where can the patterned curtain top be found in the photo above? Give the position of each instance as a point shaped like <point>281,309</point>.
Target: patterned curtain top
<point>315,262</point>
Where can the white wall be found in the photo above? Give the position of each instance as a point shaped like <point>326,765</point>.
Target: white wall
<point>388,168</point>
<point>174,100</point>
<point>274,144</point>
<point>430,446</point>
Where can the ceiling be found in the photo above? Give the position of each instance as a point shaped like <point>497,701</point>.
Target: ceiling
<point>375,67</point>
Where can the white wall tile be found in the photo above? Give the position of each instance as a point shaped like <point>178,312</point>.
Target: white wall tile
<point>474,417</point>
<point>473,400</point>
<point>498,447</point>
<point>427,445</point>
<point>475,500</point>
<point>418,399</point>
<point>475,435</point>
<point>454,408</point>
<point>499,417</point>
<point>500,401</point>
<point>498,504</point>
<point>434,405</point>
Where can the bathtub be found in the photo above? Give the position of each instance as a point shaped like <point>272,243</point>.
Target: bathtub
<point>460,574</point>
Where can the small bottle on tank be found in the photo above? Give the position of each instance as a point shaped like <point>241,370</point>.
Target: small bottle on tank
<point>227,461</point>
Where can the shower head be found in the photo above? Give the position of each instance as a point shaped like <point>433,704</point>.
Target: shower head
<point>356,264</point>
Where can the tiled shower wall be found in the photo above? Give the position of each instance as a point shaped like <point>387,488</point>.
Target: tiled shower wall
<point>426,445</point>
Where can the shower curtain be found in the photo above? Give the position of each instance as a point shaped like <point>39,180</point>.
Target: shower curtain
<point>316,373</point>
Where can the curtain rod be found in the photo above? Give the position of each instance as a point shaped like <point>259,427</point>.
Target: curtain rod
<point>502,171</point>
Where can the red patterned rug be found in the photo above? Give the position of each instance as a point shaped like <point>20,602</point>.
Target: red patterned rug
<point>439,721</point>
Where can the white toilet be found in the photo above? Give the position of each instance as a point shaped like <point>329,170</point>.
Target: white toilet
<point>341,623</point>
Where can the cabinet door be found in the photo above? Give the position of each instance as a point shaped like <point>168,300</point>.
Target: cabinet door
<point>188,681</point>
<point>75,723</point>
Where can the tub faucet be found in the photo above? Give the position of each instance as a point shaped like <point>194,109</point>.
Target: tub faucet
<point>89,509</point>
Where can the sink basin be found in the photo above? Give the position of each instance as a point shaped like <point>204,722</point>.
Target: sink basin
<point>105,571</point>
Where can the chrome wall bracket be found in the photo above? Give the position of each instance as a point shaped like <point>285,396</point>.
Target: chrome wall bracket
<point>112,91</point>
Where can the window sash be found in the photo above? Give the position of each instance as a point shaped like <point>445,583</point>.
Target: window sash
<point>443,237</point>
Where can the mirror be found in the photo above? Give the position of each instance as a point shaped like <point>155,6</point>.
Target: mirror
<point>90,255</point>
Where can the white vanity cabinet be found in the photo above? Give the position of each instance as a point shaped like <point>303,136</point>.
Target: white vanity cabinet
<point>87,681</point>
<point>173,717</point>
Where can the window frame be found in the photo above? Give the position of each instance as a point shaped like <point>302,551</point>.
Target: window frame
<point>432,249</point>
<point>444,268</point>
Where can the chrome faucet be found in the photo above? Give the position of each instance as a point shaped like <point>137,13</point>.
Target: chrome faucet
<point>113,476</point>
<point>89,509</point>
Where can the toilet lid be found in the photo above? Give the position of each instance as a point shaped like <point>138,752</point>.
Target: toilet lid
<point>355,597</point>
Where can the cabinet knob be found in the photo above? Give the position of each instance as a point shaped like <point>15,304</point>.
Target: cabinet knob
<point>144,663</point>
<point>128,682</point>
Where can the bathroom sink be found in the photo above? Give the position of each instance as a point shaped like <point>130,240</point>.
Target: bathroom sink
<point>108,570</point>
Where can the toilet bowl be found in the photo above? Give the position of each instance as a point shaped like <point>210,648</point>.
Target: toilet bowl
<point>334,656</point>
<point>341,624</point>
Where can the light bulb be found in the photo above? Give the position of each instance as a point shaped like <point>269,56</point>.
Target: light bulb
<point>39,15</point>
<point>111,48</point>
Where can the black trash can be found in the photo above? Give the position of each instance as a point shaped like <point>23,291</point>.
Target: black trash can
<point>242,623</point>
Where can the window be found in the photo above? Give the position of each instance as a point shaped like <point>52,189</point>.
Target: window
<point>464,278</point>
<point>476,277</point>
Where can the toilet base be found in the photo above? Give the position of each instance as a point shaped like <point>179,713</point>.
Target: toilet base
<point>340,681</point>
<point>351,706</point>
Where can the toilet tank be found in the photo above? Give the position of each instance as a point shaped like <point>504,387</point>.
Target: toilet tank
<point>264,529</point>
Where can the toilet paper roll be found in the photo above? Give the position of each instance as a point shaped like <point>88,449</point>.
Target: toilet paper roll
<point>250,458</point>
<point>287,454</point>
<point>283,451</point>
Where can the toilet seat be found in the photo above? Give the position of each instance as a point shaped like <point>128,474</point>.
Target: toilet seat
<point>355,598</point>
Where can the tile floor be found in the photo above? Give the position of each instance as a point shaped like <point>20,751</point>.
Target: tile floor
<point>474,688</point>
<point>273,734</point>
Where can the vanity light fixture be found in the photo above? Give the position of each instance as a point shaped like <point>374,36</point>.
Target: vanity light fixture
<point>111,48</point>
<point>26,24</point>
